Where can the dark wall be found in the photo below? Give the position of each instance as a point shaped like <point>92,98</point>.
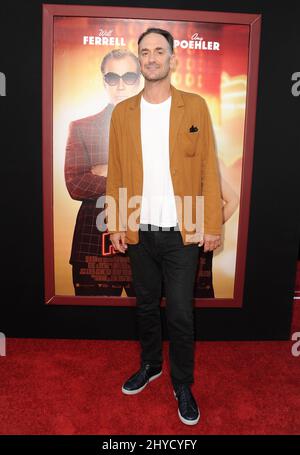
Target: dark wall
<point>274,218</point>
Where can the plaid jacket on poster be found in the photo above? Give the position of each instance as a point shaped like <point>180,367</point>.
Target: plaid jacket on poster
<point>87,146</point>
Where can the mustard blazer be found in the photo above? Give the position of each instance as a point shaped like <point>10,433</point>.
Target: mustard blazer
<point>193,165</point>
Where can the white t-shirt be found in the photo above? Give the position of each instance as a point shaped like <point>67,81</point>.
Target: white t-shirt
<point>158,202</point>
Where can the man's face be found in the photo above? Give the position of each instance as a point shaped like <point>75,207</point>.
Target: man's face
<point>119,89</point>
<point>155,57</point>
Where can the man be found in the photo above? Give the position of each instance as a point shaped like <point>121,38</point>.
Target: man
<point>161,146</point>
<point>85,176</point>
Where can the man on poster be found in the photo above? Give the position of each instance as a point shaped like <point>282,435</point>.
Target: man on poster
<point>85,176</point>
<point>161,146</point>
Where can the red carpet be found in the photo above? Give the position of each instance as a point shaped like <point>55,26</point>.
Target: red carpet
<point>74,387</point>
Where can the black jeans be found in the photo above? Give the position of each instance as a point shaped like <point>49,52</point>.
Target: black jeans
<point>161,256</point>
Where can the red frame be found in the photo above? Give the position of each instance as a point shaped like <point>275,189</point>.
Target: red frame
<point>254,22</point>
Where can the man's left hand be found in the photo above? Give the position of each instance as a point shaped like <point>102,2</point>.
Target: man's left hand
<point>210,242</point>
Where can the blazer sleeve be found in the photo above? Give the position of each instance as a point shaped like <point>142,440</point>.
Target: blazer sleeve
<point>211,187</point>
<point>80,181</point>
<point>114,180</point>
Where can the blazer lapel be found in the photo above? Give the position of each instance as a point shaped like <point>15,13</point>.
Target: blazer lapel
<point>176,117</point>
<point>135,124</point>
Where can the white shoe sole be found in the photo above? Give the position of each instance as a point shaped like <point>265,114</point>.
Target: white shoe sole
<point>183,420</point>
<point>134,392</point>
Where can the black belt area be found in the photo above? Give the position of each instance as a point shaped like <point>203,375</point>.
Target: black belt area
<point>153,227</point>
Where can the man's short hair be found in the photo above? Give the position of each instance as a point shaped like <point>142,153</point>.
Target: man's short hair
<point>159,31</point>
<point>119,54</point>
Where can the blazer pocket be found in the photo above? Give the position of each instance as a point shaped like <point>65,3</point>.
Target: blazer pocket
<point>188,143</point>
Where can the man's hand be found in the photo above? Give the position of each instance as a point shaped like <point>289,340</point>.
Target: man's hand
<point>118,241</point>
<point>100,169</point>
<point>211,242</point>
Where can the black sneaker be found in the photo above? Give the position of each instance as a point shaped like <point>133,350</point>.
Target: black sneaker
<point>138,381</point>
<point>188,410</point>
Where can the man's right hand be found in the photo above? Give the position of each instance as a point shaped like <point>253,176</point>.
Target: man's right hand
<point>118,241</point>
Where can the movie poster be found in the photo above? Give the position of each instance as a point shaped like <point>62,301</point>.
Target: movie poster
<point>89,56</point>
